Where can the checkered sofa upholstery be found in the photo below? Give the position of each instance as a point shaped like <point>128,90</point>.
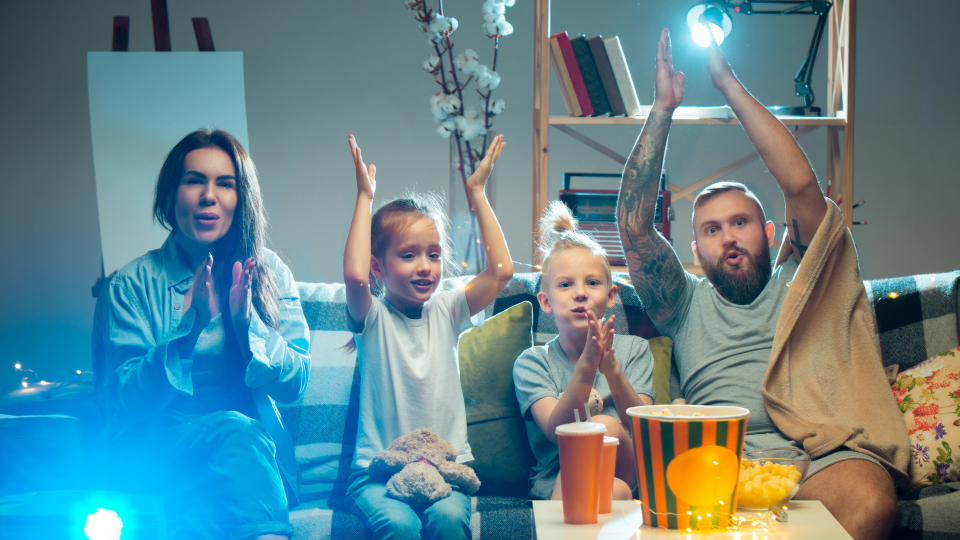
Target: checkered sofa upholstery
<point>917,321</point>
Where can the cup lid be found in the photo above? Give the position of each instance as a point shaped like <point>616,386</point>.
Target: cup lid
<point>581,428</point>
<point>611,441</point>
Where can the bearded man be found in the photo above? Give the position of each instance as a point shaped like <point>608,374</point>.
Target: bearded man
<point>748,334</point>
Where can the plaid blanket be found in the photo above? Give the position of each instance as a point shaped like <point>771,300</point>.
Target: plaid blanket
<point>915,322</point>
<point>916,316</point>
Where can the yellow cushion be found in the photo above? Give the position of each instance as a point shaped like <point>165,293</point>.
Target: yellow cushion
<point>495,429</point>
<point>662,349</point>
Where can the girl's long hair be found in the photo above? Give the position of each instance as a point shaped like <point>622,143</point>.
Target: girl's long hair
<point>247,234</point>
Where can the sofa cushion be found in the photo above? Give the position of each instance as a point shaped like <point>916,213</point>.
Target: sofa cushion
<point>929,398</point>
<point>916,316</point>
<point>495,427</point>
<point>662,349</point>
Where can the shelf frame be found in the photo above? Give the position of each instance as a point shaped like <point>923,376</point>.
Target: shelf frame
<point>841,39</point>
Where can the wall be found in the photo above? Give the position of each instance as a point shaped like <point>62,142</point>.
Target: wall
<point>316,71</point>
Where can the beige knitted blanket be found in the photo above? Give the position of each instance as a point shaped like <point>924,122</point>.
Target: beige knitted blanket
<point>825,386</point>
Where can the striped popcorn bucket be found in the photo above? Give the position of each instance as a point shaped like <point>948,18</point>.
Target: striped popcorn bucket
<point>687,466</point>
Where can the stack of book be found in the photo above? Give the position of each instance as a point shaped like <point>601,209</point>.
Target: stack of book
<point>593,76</point>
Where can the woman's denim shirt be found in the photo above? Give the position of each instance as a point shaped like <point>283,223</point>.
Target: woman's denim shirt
<point>138,367</point>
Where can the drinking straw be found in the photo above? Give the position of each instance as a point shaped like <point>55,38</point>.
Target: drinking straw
<point>576,414</point>
<point>586,409</point>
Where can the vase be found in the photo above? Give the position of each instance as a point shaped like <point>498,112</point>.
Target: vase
<point>468,254</point>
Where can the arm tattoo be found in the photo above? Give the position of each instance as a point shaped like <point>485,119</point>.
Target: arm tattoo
<point>655,270</point>
<point>797,244</point>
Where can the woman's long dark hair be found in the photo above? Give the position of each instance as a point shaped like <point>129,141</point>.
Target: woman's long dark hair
<point>247,233</point>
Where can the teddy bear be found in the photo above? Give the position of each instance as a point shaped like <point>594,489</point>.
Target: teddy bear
<point>595,402</point>
<point>419,469</point>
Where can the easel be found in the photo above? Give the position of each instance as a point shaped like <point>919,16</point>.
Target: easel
<point>161,42</point>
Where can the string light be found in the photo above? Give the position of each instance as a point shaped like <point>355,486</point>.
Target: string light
<point>764,522</point>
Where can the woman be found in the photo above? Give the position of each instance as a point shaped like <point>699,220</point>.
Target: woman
<point>193,343</point>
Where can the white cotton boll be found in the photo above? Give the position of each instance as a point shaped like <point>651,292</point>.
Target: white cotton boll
<point>447,128</point>
<point>509,3</point>
<point>450,104</point>
<point>442,25</point>
<point>488,80</point>
<point>504,28</point>
<point>496,107</point>
<point>451,86</point>
<point>490,29</point>
<point>471,113</point>
<point>431,64</point>
<point>436,109</point>
<point>470,67</point>
<point>492,17</point>
<point>466,61</point>
<point>433,38</point>
<point>469,128</point>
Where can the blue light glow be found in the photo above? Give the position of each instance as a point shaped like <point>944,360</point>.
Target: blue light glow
<point>103,525</point>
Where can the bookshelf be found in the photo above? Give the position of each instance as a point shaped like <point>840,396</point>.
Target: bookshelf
<point>838,119</point>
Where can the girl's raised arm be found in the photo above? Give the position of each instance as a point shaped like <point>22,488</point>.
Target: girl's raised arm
<point>484,288</point>
<point>356,256</point>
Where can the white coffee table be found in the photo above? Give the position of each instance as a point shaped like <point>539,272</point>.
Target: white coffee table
<point>808,520</point>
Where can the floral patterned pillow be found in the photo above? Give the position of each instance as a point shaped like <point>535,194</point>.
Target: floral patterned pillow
<point>929,398</point>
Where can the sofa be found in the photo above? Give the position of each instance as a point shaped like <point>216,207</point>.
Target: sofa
<point>916,318</point>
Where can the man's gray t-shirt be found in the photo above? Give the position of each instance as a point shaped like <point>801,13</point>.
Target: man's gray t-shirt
<point>721,350</point>
<point>544,371</point>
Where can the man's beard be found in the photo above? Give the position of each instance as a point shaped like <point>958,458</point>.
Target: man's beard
<point>741,287</point>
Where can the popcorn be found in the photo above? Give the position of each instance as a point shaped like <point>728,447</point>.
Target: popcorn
<point>767,484</point>
<point>666,412</point>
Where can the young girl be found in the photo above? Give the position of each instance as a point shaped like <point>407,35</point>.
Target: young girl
<point>407,340</point>
<point>555,379</point>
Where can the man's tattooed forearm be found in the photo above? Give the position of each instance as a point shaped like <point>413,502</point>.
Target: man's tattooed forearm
<point>641,178</point>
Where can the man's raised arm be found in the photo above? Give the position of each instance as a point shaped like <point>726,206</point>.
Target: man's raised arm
<point>655,270</point>
<point>779,151</point>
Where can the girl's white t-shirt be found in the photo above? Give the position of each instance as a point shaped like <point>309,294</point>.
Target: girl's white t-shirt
<point>409,375</point>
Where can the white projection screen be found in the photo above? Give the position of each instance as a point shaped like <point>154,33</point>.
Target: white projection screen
<point>141,105</point>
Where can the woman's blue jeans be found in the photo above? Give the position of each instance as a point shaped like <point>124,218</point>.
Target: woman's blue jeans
<point>217,475</point>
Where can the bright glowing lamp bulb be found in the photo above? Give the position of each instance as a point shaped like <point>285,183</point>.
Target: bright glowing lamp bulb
<point>103,525</point>
<point>702,38</point>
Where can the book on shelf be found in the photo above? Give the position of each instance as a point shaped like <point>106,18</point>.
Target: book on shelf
<point>573,70</point>
<point>591,77</point>
<point>563,79</point>
<point>602,60</point>
<point>618,63</point>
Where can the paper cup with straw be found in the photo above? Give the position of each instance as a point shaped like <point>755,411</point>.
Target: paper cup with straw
<point>688,461</point>
<point>581,450</point>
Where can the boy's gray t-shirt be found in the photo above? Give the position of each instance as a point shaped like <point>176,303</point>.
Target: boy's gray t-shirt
<point>721,350</point>
<point>544,371</point>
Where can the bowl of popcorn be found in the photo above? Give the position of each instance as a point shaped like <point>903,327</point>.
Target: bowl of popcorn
<point>770,477</point>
